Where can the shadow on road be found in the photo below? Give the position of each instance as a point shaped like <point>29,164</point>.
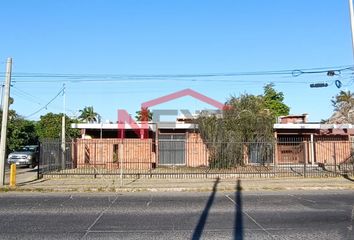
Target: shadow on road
<point>346,176</point>
<point>202,220</point>
<point>238,226</point>
<point>30,182</point>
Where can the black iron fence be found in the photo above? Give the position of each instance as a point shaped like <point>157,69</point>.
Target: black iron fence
<point>180,158</point>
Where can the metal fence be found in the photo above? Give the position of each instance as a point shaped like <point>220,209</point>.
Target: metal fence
<point>169,158</point>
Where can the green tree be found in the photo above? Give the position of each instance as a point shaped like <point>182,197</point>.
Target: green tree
<point>49,127</point>
<point>273,101</point>
<point>143,115</point>
<point>89,115</point>
<point>19,131</point>
<point>343,104</point>
<point>245,125</point>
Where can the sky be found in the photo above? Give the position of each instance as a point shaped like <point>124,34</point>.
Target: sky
<point>97,48</point>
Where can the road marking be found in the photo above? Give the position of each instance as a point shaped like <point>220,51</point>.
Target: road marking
<point>149,202</point>
<point>304,199</point>
<point>185,230</point>
<point>250,217</point>
<point>99,217</point>
<point>350,227</point>
<point>67,199</point>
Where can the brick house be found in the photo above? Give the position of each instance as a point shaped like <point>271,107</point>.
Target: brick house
<point>296,142</point>
<point>299,141</point>
<point>166,145</point>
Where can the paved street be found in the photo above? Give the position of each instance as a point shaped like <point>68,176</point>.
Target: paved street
<point>209,215</point>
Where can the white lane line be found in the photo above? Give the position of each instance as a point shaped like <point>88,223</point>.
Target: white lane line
<point>65,200</point>
<point>250,217</point>
<point>149,202</point>
<point>350,227</point>
<point>99,217</point>
<point>185,230</point>
<point>301,198</point>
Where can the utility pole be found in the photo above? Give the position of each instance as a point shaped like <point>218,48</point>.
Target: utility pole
<point>351,10</point>
<point>5,117</point>
<point>2,94</point>
<point>63,132</point>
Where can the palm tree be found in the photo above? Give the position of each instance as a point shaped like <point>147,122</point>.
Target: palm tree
<point>89,115</point>
<point>143,115</point>
<point>343,104</point>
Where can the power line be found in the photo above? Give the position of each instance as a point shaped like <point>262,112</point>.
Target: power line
<point>18,94</point>
<point>31,98</point>
<point>45,106</point>
<point>75,78</point>
<point>26,95</point>
<point>206,81</point>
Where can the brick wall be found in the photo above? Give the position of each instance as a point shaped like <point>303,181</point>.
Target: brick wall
<point>106,153</point>
<point>141,153</point>
<point>196,151</point>
<point>329,152</point>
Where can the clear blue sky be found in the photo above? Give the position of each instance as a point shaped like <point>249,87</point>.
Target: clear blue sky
<point>172,37</point>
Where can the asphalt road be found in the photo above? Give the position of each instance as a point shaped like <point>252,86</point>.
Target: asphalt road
<point>240,215</point>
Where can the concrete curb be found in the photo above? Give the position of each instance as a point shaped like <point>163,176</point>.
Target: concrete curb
<point>182,185</point>
<point>170,189</point>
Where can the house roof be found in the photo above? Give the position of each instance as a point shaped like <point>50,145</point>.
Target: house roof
<point>99,125</point>
<point>151,126</point>
<point>311,126</point>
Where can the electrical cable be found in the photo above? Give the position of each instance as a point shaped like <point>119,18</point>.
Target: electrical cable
<point>121,77</point>
<point>45,106</point>
<point>26,95</point>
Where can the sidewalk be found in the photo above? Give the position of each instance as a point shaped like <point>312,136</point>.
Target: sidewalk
<point>179,185</point>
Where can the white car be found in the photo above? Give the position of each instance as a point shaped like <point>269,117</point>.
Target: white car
<point>24,156</point>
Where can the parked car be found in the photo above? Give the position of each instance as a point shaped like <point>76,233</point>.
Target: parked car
<point>24,156</point>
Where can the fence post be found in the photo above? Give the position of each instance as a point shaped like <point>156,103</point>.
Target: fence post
<point>120,149</point>
<point>312,150</point>
<point>151,148</point>
<point>305,161</point>
<point>38,159</point>
<point>335,158</point>
<point>275,157</point>
<point>63,157</point>
<point>94,161</point>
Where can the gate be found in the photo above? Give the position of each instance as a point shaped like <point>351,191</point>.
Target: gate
<point>52,158</point>
<point>261,153</point>
<point>172,149</point>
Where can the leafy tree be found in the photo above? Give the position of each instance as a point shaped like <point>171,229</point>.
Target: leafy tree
<point>343,104</point>
<point>246,125</point>
<point>273,101</point>
<point>143,115</point>
<point>49,127</point>
<point>89,115</point>
<point>19,132</point>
